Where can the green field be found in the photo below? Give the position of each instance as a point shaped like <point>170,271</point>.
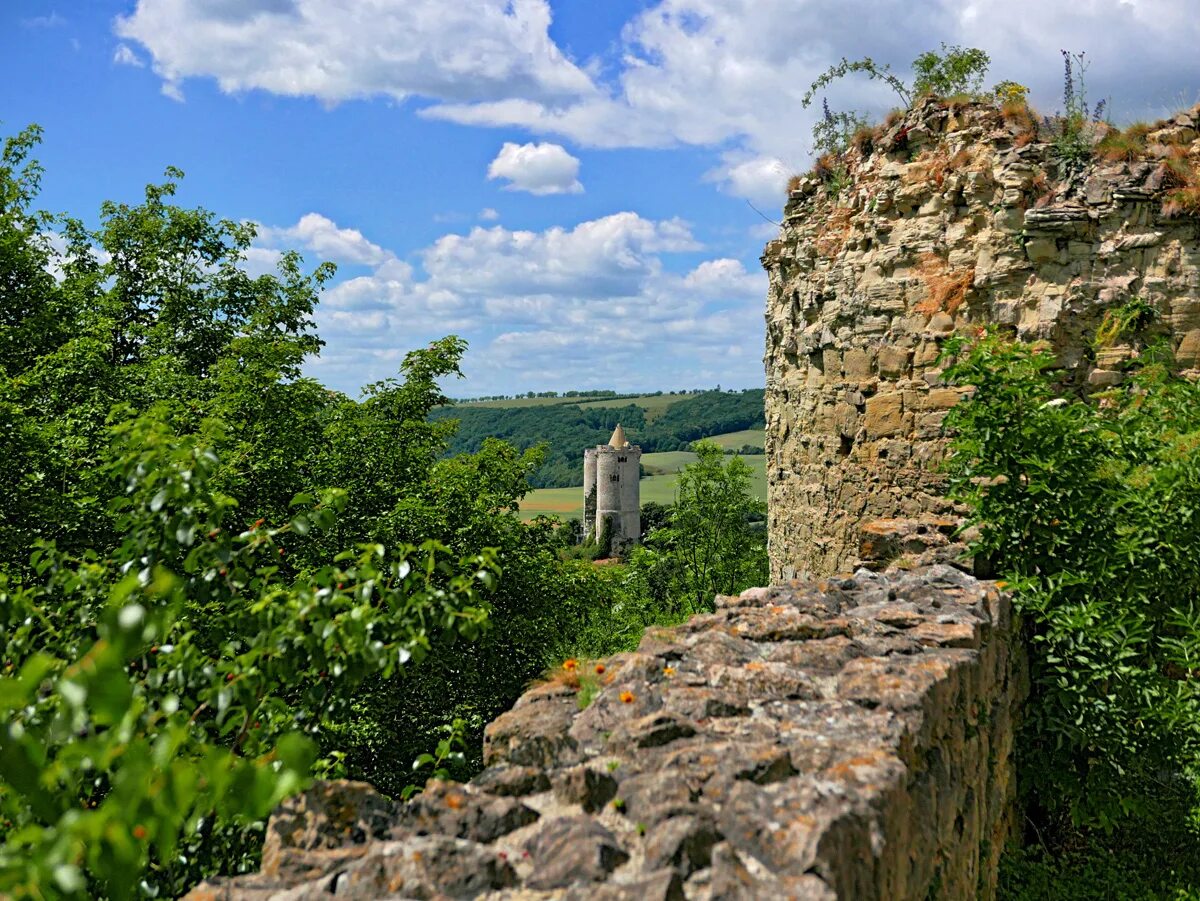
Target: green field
<point>753,437</point>
<point>567,503</point>
<point>654,404</point>
<point>666,462</point>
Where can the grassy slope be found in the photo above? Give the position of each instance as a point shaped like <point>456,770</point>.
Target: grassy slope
<point>666,462</point>
<point>653,404</point>
<point>753,437</point>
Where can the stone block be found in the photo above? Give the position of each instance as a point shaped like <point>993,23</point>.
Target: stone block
<point>856,364</point>
<point>884,415</point>
<point>892,361</point>
<point>1187,353</point>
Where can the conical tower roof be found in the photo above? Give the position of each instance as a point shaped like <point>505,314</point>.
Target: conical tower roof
<point>618,437</point>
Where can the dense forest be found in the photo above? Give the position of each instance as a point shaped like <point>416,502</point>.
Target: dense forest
<point>220,579</point>
<point>567,429</point>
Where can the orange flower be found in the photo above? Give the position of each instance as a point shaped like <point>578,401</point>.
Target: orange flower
<point>599,668</point>
<point>668,671</point>
<point>627,697</point>
<point>139,832</point>
<point>570,665</point>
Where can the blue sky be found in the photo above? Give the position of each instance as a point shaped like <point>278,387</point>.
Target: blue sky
<point>563,183</point>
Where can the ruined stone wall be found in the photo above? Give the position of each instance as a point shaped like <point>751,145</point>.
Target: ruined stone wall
<point>957,220</point>
<point>850,740</point>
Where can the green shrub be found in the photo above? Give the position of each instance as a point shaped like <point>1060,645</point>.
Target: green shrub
<point>158,700</point>
<point>1090,509</point>
<point>955,70</point>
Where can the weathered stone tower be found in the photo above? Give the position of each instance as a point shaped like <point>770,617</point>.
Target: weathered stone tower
<point>611,491</point>
<point>953,219</point>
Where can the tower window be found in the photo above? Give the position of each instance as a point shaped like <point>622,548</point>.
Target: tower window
<point>615,477</point>
<point>622,459</point>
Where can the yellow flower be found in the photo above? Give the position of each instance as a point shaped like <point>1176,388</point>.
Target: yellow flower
<point>669,671</point>
<point>627,697</point>
<point>570,665</point>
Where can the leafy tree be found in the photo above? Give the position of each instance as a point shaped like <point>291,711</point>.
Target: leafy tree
<point>158,694</point>
<point>714,542</point>
<point>154,378</point>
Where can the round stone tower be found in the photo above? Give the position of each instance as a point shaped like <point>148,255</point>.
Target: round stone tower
<point>589,492</point>
<point>611,491</point>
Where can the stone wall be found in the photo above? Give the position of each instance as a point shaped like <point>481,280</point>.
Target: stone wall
<point>956,220</point>
<point>850,739</point>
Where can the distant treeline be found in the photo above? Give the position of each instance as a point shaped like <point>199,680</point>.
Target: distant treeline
<point>593,394</point>
<point>567,429</point>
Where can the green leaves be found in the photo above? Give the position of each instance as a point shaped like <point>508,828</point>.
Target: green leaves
<point>172,689</point>
<point>1086,506</point>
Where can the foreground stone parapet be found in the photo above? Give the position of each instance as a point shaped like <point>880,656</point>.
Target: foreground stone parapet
<point>848,739</point>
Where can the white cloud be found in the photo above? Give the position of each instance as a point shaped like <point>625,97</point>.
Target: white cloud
<point>606,257</point>
<point>322,235</point>
<point>488,214</point>
<point>261,260</point>
<point>709,72</point>
<point>723,277</point>
<point>600,303</point>
<point>760,179</point>
<point>537,169</point>
<point>469,50</point>
<point>714,73</point>
<point>124,56</point>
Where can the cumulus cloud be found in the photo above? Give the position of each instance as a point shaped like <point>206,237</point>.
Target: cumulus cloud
<point>537,169</point>
<point>323,236</point>
<point>759,179</point>
<point>469,50</point>
<point>712,72</point>
<point>715,73</point>
<point>487,214</point>
<point>606,301</point>
<point>607,257</point>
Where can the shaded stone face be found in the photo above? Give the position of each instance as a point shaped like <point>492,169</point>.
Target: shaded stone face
<point>850,739</point>
<point>953,224</point>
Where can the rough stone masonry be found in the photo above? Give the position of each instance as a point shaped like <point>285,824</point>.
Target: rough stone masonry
<point>956,219</point>
<point>850,739</point>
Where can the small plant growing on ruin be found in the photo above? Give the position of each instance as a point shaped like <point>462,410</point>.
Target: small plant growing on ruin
<point>954,71</point>
<point>945,289</point>
<point>865,66</point>
<point>1181,174</point>
<point>1127,319</point>
<point>833,135</point>
<point>1073,130</point>
<point>1123,146</point>
<point>1011,92</point>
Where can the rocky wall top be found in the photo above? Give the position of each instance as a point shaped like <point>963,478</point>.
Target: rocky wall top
<point>951,218</point>
<point>850,739</point>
